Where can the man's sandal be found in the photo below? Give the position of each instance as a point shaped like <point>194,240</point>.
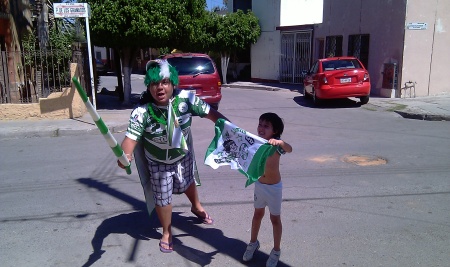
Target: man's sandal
<point>165,247</point>
<point>205,219</point>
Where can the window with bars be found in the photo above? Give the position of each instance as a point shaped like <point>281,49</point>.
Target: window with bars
<point>358,46</point>
<point>333,46</point>
<point>243,5</point>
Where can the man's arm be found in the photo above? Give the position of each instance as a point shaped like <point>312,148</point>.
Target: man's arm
<point>214,115</point>
<point>128,146</point>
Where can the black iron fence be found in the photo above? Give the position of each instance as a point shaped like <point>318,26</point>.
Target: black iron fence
<point>27,76</point>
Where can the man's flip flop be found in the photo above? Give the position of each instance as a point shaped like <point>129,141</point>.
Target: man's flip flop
<point>206,220</point>
<point>168,245</point>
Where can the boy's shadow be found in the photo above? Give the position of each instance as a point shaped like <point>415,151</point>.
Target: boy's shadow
<point>233,248</point>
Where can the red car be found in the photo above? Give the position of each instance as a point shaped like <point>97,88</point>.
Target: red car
<point>337,77</point>
<point>198,73</point>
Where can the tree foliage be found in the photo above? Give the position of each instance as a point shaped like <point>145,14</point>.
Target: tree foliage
<point>226,33</point>
<point>142,23</point>
<point>234,32</point>
<point>127,25</point>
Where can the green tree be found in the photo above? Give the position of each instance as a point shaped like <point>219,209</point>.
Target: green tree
<point>127,25</point>
<point>234,32</point>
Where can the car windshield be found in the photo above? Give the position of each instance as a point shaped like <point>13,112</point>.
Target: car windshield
<point>192,65</point>
<point>341,64</point>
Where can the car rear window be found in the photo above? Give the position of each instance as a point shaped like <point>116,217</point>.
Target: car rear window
<point>192,65</point>
<point>341,64</point>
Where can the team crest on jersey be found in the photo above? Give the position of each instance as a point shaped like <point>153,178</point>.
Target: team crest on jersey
<point>182,107</point>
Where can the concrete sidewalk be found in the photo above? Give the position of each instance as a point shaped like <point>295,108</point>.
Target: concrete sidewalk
<point>115,115</point>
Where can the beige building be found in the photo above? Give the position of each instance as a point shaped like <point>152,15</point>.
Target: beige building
<point>399,41</point>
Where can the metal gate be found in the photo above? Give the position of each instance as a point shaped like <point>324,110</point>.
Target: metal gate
<point>295,55</point>
<point>4,83</point>
<point>27,76</point>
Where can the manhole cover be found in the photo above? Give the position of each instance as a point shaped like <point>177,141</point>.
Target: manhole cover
<point>362,160</point>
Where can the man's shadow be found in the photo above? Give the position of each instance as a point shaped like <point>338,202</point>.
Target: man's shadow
<point>137,225</point>
<point>140,226</point>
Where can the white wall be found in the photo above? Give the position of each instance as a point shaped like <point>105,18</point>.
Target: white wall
<point>265,54</point>
<point>102,51</point>
<point>441,51</point>
<point>301,12</point>
<point>426,55</point>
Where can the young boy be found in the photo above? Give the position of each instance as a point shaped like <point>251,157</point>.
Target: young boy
<point>268,188</point>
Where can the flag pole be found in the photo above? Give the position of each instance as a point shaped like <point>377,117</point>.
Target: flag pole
<point>103,129</point>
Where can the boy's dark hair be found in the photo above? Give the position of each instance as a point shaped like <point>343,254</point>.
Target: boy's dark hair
<point>276,121</point>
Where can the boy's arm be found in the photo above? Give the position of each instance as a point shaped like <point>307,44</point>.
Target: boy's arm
<point>285,146</point>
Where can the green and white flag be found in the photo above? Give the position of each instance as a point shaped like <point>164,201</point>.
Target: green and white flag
<point>233,146</point>
<point>174,132</point>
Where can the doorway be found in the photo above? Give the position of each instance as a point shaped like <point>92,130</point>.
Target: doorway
<point>295,55</point>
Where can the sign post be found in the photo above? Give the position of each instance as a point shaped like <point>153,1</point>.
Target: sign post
<point>78,10</point>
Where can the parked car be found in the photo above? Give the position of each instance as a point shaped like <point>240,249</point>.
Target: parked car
<point>100,67</point>
<point>198,73</point>
<point>337,77</point>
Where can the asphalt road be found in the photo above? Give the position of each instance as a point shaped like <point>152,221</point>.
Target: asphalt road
<point>361,188</point>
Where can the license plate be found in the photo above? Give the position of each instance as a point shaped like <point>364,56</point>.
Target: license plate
<point>346,80</point>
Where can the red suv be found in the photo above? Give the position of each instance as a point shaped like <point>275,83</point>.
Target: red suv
<point>198,73</point>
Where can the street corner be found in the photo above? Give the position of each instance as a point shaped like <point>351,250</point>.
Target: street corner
<point>421,115</point>
<point>410,110</point>
<point>376,104</point>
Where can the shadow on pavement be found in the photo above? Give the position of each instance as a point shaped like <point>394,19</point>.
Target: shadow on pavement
<point>140,226</point>
<point>110,100</point>
<point>135,224</point>
<point>327,103</point>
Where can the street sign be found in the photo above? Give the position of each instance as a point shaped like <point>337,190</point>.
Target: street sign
<point>417,26</point>
<point>78,10</point>
<point>71,10</point>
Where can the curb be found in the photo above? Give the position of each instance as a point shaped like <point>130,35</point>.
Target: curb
<point>248,87</point>
<point>60,132</point>
<point>424,117</point>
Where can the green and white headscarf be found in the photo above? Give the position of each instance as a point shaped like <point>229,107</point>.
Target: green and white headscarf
<point>158,70</point>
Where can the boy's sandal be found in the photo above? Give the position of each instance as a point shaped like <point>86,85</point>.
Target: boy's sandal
<point>205,219</point>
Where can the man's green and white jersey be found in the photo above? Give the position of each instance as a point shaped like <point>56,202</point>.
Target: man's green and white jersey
<point>156,143</point>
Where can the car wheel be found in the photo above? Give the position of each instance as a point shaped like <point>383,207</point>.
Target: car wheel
<point>305,94</point>
<point>316,100</point>
<point>364,99</point>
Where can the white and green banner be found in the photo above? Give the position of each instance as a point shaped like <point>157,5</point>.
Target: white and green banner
<point>174,132</point>
<point>235,147</point>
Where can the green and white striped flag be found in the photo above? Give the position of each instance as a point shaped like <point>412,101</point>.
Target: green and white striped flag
<point>233,146</point>
<point>116,148</point>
